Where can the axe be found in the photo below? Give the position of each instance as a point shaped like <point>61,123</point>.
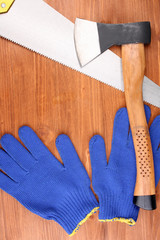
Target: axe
<point>92,39</point>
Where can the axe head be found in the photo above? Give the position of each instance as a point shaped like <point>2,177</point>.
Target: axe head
<point>92,39</point>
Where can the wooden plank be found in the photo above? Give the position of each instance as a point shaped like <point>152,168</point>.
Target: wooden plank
<point>54,99</point>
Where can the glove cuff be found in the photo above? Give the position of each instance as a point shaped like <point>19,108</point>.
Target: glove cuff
<point>75,209</point>
<point>117,208</point>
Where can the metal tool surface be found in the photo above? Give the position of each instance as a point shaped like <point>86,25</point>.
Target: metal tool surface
<point>40,28</point>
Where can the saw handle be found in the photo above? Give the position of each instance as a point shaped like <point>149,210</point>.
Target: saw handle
<point>133,62</point>
<point>5,5</point>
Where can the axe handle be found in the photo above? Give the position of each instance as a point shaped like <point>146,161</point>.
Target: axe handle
<point>133,62</point>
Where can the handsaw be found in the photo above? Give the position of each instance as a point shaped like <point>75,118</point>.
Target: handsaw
<point>40,28</point>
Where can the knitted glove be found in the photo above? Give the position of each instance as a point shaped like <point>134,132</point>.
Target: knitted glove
<point>42,184</point>
<point>114,182</point>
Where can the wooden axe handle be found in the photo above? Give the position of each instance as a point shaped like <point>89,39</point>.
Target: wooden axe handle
<point>133,62</point>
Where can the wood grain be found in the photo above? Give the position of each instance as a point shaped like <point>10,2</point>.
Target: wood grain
<point>54,99</point>
<point>133,65</point>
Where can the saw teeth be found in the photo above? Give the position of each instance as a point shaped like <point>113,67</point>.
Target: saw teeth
<point>5,5</point>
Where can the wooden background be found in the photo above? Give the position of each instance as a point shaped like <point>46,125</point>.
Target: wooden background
<point>54,99</point>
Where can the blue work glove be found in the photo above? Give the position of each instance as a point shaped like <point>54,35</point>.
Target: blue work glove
<point>114,182</point>
<point>42,184</point>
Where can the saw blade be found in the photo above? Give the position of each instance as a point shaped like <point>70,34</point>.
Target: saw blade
<point>40,28</point>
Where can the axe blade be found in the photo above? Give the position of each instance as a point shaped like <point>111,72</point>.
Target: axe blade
<point>86,41</point>
<point>92,39</point>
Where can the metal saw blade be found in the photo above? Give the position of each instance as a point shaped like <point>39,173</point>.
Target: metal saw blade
<point>40,28</point>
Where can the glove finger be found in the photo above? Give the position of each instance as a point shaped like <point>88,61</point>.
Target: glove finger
<point>148,115</point>
<point>10,167</point>
<point>15,149</point>
<point>97,154</point>
<point>68,153</point>
<point>36,146</point>
<point>121,126</point>
<point>155,134</point>
<point>32,142</point>
<point>147,112</point>
<point>7,184</point>
<point>155,140</point>
<point>156,158</point>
